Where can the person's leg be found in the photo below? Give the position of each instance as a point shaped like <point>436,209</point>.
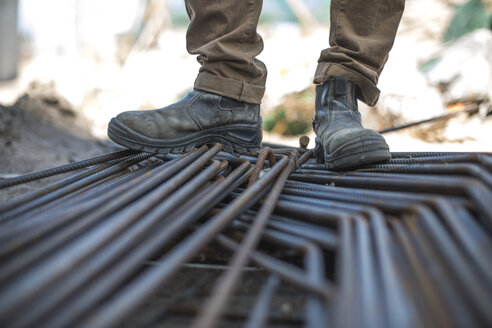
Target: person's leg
<point>223,35</point>
<point>361,36</point>
<point>362,33</point>
<point>224,104</point>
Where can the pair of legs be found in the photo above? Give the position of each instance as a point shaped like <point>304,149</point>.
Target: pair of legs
<point>224,105</point>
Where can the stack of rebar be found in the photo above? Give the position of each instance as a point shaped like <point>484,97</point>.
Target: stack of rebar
<point>274,239</point>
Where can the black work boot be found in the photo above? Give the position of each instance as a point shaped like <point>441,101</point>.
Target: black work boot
<point>341,138</point>
<point>199,118</point>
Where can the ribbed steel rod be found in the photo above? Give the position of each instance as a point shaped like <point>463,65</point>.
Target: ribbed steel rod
<point>4,183</point>
<point>35,200</point>
<point>162,236</point>
<point>147,282</point>
<point>88,271</point>
<point>37,280</point>
<point>211,311</point>
<point>398,244</point>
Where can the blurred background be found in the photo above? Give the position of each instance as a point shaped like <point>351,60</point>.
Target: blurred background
<point>68,66</point>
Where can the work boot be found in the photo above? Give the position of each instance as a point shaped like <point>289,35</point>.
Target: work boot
<point>199,118</point>
<point>341,140</point>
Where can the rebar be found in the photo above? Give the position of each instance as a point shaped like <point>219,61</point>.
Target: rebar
<point>398,244</point>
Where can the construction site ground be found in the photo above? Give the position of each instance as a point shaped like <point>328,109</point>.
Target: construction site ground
<point>56,112</point>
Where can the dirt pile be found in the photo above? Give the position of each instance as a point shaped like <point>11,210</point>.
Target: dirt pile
<point>42,130</point>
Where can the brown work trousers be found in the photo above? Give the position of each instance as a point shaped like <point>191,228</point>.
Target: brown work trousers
<point>223,35</point>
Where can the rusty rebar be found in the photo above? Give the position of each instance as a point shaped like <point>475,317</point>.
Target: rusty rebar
<point>399,244</point>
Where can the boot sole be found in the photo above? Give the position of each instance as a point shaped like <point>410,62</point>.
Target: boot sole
<point>358,152</point>
<point>239,138</point>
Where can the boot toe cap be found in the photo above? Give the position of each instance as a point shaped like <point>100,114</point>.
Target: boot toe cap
<point>138,122</point>
<point>353,147</point>
<point>352,136</point>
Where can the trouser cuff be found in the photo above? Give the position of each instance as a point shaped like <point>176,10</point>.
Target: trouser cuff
<point>230,88</point>
<point>369,93</point>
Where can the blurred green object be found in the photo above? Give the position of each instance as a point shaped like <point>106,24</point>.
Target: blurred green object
<point>272,118</point>
<point>467,18</point>
<point>279,11</point>
<point>293,116</point>
<point>278,122</point>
